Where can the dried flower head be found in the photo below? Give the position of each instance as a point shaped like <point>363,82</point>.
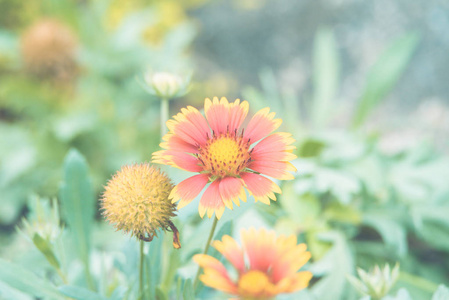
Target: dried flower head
<point>266,265</point>
<point>377,283</point>
<point>48,50</point>
<point>136,200</point>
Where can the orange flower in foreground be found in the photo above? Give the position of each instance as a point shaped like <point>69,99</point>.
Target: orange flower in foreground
<point>223,154</point>
<point>271,267</point>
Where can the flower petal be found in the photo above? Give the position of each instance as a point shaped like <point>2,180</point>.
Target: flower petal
<point>173,142</point>
<point>215,274</point>
<point>237,114</point>
<point>260,248</point>
<point>217,114</point>
<point>260,187</point>
<point>232,251</point>
<point>197,119</point>
<point>296,282</point>
<point>275,169</point>
<point>211,201</point>
<point>188,189</point>
<point>230,190</point>
<point>177,159</point>
<point>275,147</point>
<point>186,130</point>
<point>261,125</point>
<point>290,262</point>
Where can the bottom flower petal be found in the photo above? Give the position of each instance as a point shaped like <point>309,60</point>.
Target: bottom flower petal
<point>231,189</point>
<point>211,201</point>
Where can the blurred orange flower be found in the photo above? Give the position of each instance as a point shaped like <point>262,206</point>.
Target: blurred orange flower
<point>266,265</point>
<point>222,153</point>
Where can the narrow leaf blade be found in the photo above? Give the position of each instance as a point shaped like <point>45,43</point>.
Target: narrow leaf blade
<point>77,201</point>
<point>80,293</point>
<point>325,79</point>
<point>26,281</point>
<point>384,75</point>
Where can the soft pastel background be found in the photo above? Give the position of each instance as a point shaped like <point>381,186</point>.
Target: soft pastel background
<point>362,86</point>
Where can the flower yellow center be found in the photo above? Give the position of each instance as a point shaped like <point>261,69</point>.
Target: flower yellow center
<point>255,285</point>
<point>224,150</point>
<point>225,155</point>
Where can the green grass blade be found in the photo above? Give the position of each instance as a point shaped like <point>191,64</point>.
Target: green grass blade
<point>26,281</point>
<point>384,75</point>
<point>188,293</point>
<point>46,249</point>
<point>325,76</point>
<point>78,204</point>
<point>80,293</point>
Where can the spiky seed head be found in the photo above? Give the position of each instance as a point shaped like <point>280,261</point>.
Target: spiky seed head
<point>136,201</point>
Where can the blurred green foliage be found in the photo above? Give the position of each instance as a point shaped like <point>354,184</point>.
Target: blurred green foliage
<point>354,204</point>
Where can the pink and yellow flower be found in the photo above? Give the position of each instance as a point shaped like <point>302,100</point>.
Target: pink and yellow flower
<point>225,155</point>
<point>266,265</point>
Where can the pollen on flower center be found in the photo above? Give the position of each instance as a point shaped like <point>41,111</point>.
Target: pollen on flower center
<point>224,150</point>
<point>225,155</point>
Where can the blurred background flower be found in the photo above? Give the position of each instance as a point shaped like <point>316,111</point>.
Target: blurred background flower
<point>48,50</point>
<point>266,265</point>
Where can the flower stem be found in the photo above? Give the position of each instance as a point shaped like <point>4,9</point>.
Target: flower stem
<point>141,293</point>
<point>209,239</point>
<point>164,116</point>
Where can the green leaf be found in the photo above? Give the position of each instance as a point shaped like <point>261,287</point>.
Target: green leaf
<point>432,225</point>
<point>46,249</point>
<point>171,266</point>
<point>304,209</point>
<point>342,213</point>
<point>154,262</point>
<point>160,295</point>
<point>311,148</point>
<point>77,201</point>
<point>188,293</point>
<point>442,293</point>
<point>9,293</point>
<point>80,293</point>
<point>25,281</point>
<point>334,266</point>
<point>325,76</point>
<point>384,74</point>
<point>341,184</point>
<point>78,207</point>
<point>393,234</point>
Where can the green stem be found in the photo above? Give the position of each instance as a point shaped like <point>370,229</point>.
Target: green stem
<point>209,239</point>
<point>141,292</point>
<point>164,116</point>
